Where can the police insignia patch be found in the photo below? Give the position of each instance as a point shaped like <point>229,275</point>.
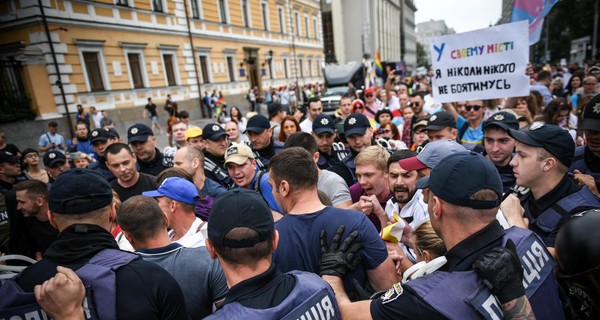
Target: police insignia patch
<point>532,128</point>
<point>433,118</point>
<point>352,121</point>
<point>324,121</point>
<point>499,117</point>
<point>134,130</point>
<point>596,108</point>
<point>392,294</point>
<point>215,127</point>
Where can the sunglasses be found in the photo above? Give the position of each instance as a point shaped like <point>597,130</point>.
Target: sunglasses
<point>359,108</point>
<point>369,95</point>
<point>386,131</point>
<point>476,108</point>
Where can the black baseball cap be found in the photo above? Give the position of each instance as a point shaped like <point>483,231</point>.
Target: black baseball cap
<point>460,175</point>
<point>503,119</point>
<point>139,132</point>
<point>441,120</point>
<point>213,131</point>
<point>100,134</point>
<point>9,157</point>
<point>79,191</point>
<point>323,123</point>
<point>356,123</point>
<point>591,115</point>
<point>257,124</point>
<point>52,158</point>
<point>554,139</point>
<point>382,111</point>
<point>239,208</point>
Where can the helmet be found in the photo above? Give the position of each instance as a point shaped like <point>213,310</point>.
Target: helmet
<point>577,244</point>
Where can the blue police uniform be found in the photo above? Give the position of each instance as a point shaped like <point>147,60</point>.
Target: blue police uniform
<point>587,163</point>
<point>263,156</point>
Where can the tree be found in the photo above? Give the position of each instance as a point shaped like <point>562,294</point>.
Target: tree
<point>422,56</point>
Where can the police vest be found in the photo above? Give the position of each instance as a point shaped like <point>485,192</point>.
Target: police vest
<point>579,164</point>
<point>349,164</point>
<point>262,161</point>
<point>463,295</point>
<point>311,298</point>
<point>98,277</point>
<point>549,220</point>
<point>222,176</point>
<point>103,170</point>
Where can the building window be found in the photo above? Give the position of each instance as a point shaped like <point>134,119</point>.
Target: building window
<point>195,9</point>
<point>306,26</point>
<point>169,69</point>
<point>318,67</point>
<point>135,68</point>
<point>245,13</point>
<point>301,67</point>
<point>204,68</point>
<point>270,63</point>
<point>231,69</point>
<point>285,68</point>
<point>94,74</point>
<point>280,17</point>
<point>265,15</point>
<point>315,28</point>
<point>309,67</point>
<point>122,3</point>
<point>223,10</point>
<point>297,18</point>
<point>157,5</point>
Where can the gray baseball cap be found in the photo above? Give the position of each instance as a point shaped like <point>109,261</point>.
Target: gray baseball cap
<point>431,155</point>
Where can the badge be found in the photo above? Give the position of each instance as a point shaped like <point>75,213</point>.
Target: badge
<point>324,121</point>
<point>352,121</point>
<point>433,118</point>
<point>596,108</point>
<point>392,294</point>
<point>134,130</point>
<point>499,117</point>
<point>94,133</point>
<point>52,155</point>
<point>215,127</point>
<point>232,150</point>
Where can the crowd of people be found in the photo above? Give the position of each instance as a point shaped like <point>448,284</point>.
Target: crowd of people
<point>395,206</point>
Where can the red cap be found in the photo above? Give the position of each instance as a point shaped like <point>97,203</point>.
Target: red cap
<point>412,163</point>
<point>369,90</point>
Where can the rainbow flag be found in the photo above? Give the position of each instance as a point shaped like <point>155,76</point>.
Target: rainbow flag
<point>378,65</point>
<point>533,11</point>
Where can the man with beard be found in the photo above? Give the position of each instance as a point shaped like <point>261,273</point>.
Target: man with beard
<point>143,143</point>
<point>216,143</point>
<point>499,145</point>
<point>260,134</point>
<point>32,201</point>
<point>82,141</point>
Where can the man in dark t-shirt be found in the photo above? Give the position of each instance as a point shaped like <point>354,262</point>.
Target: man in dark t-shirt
<point>150,110</point>
<point>122,163</point>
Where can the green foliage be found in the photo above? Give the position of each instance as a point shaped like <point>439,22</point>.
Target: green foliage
<point>568,20</point>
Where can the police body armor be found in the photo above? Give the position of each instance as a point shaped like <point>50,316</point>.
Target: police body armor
<point>463,295</point>
<point>98,277</point>
<point>222,176</point>
<point>579,164</point>
<point>549,220</point>
<point>263,162</point>
<point>311,298</point>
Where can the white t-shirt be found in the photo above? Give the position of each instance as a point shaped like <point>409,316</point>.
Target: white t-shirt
<point>306,125</point>
<point>193,238</point>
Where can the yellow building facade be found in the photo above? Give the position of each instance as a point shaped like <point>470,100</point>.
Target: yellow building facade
<point>116,53</point>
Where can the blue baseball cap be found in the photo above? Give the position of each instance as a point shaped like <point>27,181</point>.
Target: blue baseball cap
<point>460,175</point>
<point>175,188</point>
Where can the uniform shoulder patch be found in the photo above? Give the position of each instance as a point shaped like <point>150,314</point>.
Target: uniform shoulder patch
<point>393,293</point>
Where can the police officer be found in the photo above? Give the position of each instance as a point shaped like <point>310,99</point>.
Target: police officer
<point>441,126</point>
<point>143,144</point>
<point>102,138</point>
<point>260,134</point>
<point>241,234</point>
<point>576,245</point>
<point>123,286</point>
<point>586,165</point>
<point>330,152</point>
<point>499,145</point>
<point>216,143</point>
<point>543,155</point>
<point>359,134</point>
<point>463,193</point>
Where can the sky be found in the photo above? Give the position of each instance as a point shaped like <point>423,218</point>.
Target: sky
<point>462,15</point>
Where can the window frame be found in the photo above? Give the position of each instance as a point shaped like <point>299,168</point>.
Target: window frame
<point>223,11</point>
<point>207,70</point>
<point>264,11</point>
<point>97,47</point>
<point>175,67</point>
<point>142,63</point>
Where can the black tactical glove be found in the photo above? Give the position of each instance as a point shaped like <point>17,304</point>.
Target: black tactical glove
<point>339,260</point>
<point>502,272</point>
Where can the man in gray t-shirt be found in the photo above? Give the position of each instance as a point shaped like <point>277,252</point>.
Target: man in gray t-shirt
<point>201,279</point>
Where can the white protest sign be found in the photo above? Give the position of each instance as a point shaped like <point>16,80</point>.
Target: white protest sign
<point>483,64</point>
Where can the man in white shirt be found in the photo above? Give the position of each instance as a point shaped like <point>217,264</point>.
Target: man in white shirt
<point>177,198</point>
<point>315,108</point>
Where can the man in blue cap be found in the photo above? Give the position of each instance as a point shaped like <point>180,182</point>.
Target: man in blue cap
<point>463,194</point>
<point>121,286</point>
<point>330,153</point>
<point>177,198</point>
<point>359,135</point>
<point>544,154</point>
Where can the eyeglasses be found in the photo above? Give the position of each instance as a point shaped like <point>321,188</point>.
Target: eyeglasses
<point>369,95</point>
<point>385,131</point>
<point>476,108</point>
<point>289,127</point>
<point>414,104</point>
<point>32,155</point>
<point>359,108</point>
